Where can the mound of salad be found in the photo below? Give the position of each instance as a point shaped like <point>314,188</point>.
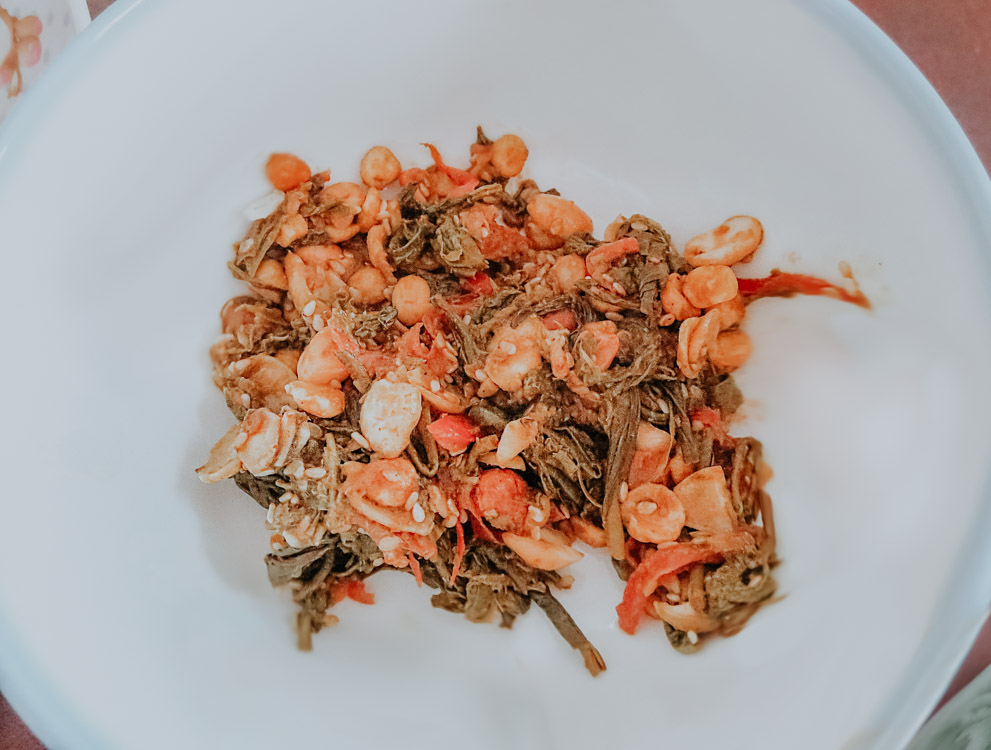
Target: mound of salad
<point>442,371</point>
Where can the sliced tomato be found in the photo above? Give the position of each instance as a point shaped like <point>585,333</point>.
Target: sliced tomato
<point>559,319</point>
<point>410,344</point>
<point>351,589</point>
<point>453,432</point>
<point>480,284</point>
<point>712,420</point>
<point>481,530</point>
<point>656,564</point>
<point>413,175</point>
<point>786,284</point>
<point>500,497</point>
<point>414,565</point>
<point>503,242</point>
<point>664,561</point>
<point>465,181</point>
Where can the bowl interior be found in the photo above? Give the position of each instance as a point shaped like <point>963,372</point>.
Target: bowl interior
<point>122,189</point>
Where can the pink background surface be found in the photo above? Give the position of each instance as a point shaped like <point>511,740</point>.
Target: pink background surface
<point>950,41</point>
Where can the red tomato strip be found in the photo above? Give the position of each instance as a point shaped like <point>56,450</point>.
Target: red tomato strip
<point>459,553</point>
<point>414,565</point>
<point>786,284</point>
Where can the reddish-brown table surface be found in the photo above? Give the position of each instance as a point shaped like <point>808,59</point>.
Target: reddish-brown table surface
<point>950,41</point>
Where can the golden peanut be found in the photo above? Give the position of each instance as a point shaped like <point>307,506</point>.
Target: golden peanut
<point>411,298</point>
<point>286,171</point>
<point>367,285</point>
<point>509,154</point>
<point>379,167</point>
<point>558,216</point>
<point>710,285</point>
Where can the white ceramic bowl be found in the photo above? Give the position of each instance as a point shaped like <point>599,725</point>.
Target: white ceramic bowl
<point>42,28</point>
<point>134,610</point>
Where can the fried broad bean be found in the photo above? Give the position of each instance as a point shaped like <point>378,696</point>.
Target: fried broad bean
<point>694,339</point>
<point>605,343</point>
<point>731,242</point>
<point>652,513</point>
<point>708,286</point>
<point>318,364</point>
<point>389,413</point>
<point>673,300</point>
<point>554,219</point>
<point>325,401</point>
<point>731,312</point>
<point>542,553</point>
<point>706,500</point>
<point>514,352</point>
<point>730,350</point>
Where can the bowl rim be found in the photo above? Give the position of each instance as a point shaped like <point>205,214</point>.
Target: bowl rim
<point>956,620</point>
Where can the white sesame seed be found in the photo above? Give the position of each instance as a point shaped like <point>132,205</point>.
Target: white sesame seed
<point>295,469</point>
<point>614,316</point>
<point>389,543</point>
<point>508,346</point>
<point>377,562</point>
<point>673,598</point>
<point>270,516</point>
<point>646,507</point>
<point>435,386</point>
<point>466,318</point>
<point>294,500</point>
<point>755,581</point>
<point>246,399</point>
<point>309,307</point>
<point>286,496</point>
<point>618,288</point>
<point>490,513</point>
<point>315,472</point>
<point>536,513</point>
<point>361,440</point>
<point>624,490</point>
<point>411,500</point>
<point>418,514</point>
<point>693,637</point>
<point>480,375</point>
<point>318,323</point>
